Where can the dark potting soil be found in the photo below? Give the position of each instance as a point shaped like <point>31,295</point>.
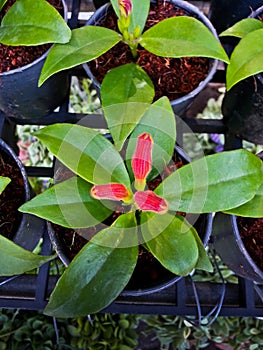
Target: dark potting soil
<point>12,57</point>
<point>12,197</point>
<point>148,270</point>
<point>251,232</point>
<point>172,77</point>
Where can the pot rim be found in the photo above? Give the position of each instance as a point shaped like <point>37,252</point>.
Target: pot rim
<point>42,57</point>
<point>9,151</point>
<point>257,12</point>
<point>243,249</point>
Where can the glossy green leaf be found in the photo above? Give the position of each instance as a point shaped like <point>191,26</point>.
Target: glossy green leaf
<point>214,183</point>
<point>203,262</point>
<point>140,10</point>
<point>86,152</point>
<point>33,23</point>
<point>4,181</point>
<point>68,204</point>
<point>2,3</point>
<point>253,208</point>
<point>86,44</point>
<point>243,27</point>
<point>246,59</point>
<point>115,6</point>
<point>126,93</point>
<point>16,260</point>
<point>98,273</point>
<point>159,121</point>
<point>171,239</point>
<point>182,36</point>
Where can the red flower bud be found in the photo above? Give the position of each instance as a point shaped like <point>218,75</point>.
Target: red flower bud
<point>112,191</point>
<point>149,201</point>
<point>142,160</point>
<point>125,7</point>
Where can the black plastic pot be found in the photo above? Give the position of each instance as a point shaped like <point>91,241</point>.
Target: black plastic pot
<point>229,245</point>
<point>181,104</point>
<point>31,228</point>
<point>242,109</point>
<point>139,283</point>
<point>224,13</point>
<point>22,99</point>
<point>242,106</point>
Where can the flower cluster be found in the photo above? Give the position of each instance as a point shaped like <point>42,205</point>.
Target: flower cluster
<point>125,7</point>
<point>144,200</point>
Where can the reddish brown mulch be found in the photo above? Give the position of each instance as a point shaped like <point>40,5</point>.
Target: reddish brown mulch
<point>12,57</point>
<point>171,77</point>
<point>251,232</point>
<point>12,197</point>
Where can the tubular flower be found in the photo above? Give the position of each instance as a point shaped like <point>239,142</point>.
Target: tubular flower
<point>112,191</point>
<point>125,7</point>
<point>142,160</point>
<point>145,200</point>
<point>149,201</point>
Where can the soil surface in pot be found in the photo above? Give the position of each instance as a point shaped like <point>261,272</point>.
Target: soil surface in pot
<point>148,272</point>
<point>12,197</point>
<point>172,77</point>
<point>251,232</point>
<point>12,57</point>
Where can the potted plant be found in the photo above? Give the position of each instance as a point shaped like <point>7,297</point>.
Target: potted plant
<point>26,33</point>
<point>243,101</point>
<point>190,35</point>
<point>149,276</point>
<point>19,233</point>
<point>105,178</point>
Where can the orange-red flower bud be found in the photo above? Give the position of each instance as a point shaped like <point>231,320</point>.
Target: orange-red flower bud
<point>142,160</point>
<point>149,201</point>
<point>125,7</point>
<point>112,191</point>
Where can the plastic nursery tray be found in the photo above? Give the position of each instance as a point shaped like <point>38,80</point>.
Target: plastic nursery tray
<point>185,298</point>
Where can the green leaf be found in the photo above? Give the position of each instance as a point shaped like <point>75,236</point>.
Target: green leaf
<point>73,331</point>
<point>243,27</point>
<point>33,23</point>
<point>16,260</point>
<point>126,93</point>
<point>86,44</point>
<point>214,183</point>
<point>172,241</point>
<point>182,36</point>
<point>2,3</point>
<point>98,273</point>
<point>253,208</point>
<point>4,181</point>
<point>68,204</point>
<point>246,59</point>
<point>140,10</point>
<point>86,152</point>
<point>159,121</point>
<point>203,262</point>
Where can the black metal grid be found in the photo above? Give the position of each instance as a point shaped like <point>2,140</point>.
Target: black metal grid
<point>185,298</point>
